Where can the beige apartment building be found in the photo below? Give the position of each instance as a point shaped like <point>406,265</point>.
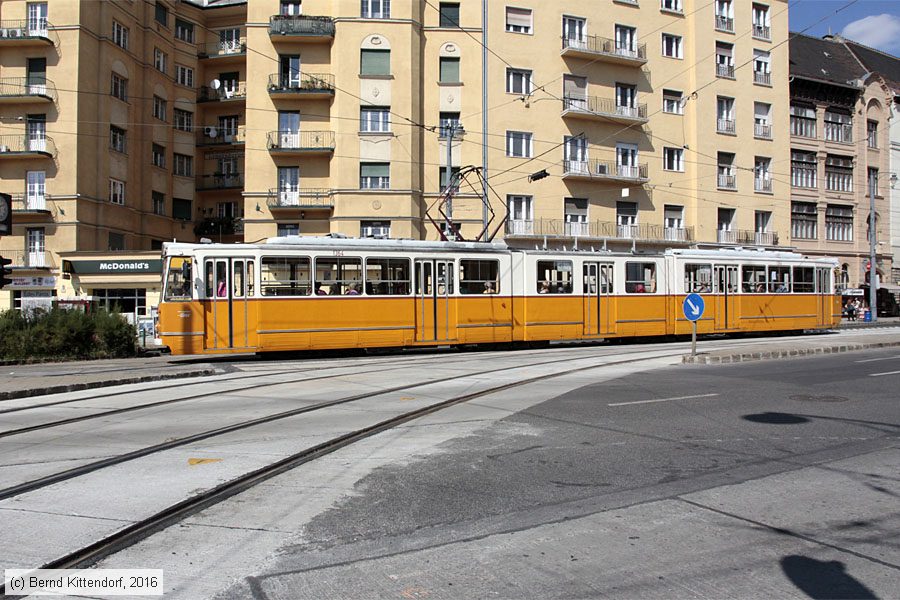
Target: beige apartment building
<point>129,123</point>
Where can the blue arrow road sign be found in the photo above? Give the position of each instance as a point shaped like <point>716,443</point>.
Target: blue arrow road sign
<point>693,307</point>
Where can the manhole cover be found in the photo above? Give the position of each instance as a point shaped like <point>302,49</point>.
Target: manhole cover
<point>825,398</point>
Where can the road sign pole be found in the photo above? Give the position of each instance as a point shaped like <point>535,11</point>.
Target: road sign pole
<point>693,338</point>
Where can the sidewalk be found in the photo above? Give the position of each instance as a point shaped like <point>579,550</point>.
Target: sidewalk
<point>21,381</point>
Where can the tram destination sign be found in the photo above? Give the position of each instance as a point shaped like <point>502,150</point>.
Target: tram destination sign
<point>693,307</point>
<point>128,266</point>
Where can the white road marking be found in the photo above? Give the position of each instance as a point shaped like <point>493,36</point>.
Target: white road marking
<point>888,373</point>
<point>662,400</point>
<point>877,359</point>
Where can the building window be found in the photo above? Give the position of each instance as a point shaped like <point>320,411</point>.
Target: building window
<point>626,220</point>
<point>183,165</point>
<point>762,175</point>
<point>449,70</point>
<point>672,102</point>
<point>291,8</point>
<point>838,126</point>
<point>804,221</point>
<point>725,115</point>
<point>118,87</point>
<point>449,14</point>
<point>575,158</point>
<point>376,9</point>
<point>839,223</point>
<point>450,120</point>
<point>724,60</point>
<point>518,20</point>
<point>374,119</point>
<point>872,134</point>
<point>725,15</point>
<point>673,159</point>
<point>287,229</point>
<point>726,179</point>
<point>117,138</point>
<point>116,191</point>
<point>518,81</point>
<point>115,242</point>
<point>626,100</point>
<point>803,169</point>
<point>375,62</point>
<point>519,144</point>
<point>374,176</point>
<point>120,35</point>
<point>673,216</point>
<point>626,41</point>
<point>36,189</point>
<point>671,5</point>
<point>184,31</point>
<point>162,14</point>
<point>159,108</point>
<point>521,214</point>
<point>184,76</point>
<point>574,32</point>
<point>761,73</point>
<point>159,60</point>
<point>671,45</point>
<point>761,22</point>
<point>159,203</point>
<point>872,182</point>
<point>158,156</point>
<point>181,209</point>
<point>803,121</point>
<point>575,214</point>
<point>762,126</point>
<point>375,229</point>
<point>183,119</point>
<point>454,171</point>
<point>838,173</point>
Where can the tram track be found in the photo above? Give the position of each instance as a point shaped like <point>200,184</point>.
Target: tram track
<point>177,512</point>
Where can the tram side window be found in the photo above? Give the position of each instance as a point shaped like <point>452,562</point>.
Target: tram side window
<point>554,277</point>
<point>697,278</point>
<point>387,276</point>
<point>216,277</point>
<point>284,276</point>
<point>479,276</point>
<point>753,278</point>
<point>178,280</point>
<point>338,276</point>
<point>780,280</point>
<point>804,280</point>
<point>640,278</point>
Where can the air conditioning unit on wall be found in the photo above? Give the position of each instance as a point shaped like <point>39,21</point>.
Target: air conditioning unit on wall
<point>210,132</point>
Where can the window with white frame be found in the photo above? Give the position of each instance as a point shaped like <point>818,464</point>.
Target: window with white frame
<point>519,144</point>
<point>803,169</point>
<point>626,100</point>
<point>118,87</point>
<point>726,178</point>
<point>575,155</point>
<point>183,119</point>
<point>761,73</point>
<point>838,125</point>
<point>575,213</point>
<point>448,121</point>
<point>762,123</point>
<point>627,160</point>
<point>725,115</point>
<point>376,9</point>
<point>626,214</point>
<point>374,176</point>
<point>290,8</point>
<point>804,220</point>
<point>184,76</point>
<point>671,5</point>
<point>872,134</point>
<point>120,35</point>
<point>761,29</point>
<point>35,189</point>
<point>673,216</point>
<point>762,174</point>
<point>521,213</point>
<point>116,191</point>
<point>159,108</point>
<point>839,223</point>
<point>626,40</point>
<point>672,102</point>
<point>375,229</point>
<point>725,15</point>
<point>117,138</point>
<point>375,119</point>
<point>518,81</point>
<point>158,156</point>
<point>518,20</point>
<point>574,32</point>
<point>724,60</point>
<point>671,46</point>
<point>839,173</point>
<point>286,230</point>
<point>160,59</point>
<point>673,159</point>
<point>183,165</point>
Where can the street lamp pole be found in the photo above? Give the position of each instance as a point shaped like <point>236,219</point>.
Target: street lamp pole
<point>873,244</point>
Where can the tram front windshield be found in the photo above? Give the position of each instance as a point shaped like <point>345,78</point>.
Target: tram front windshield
<point>178,278</point>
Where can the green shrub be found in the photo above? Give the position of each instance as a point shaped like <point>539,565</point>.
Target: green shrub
<point>65,334</point>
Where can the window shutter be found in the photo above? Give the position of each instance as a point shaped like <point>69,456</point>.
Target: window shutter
<point>576,206</point>
<point>518,17</point>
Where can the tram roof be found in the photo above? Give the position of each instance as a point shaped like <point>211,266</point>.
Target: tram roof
<point>747,254</point>
<point>324,243</point>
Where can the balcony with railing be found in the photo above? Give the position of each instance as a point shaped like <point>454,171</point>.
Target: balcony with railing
<point>223,49</point>
<point>226,92</point>
<point>603,109</point>
<point>288,143</point>
<point>762,131</point>
<point>603,170</point>
<point>745,237</point>
<point>16,90</point>
<point>763,184</point>
<point>32,203</point>
<point>725,71</point>
<point>27,32</point>
<point>220,181</point>
<point>762,77</point>
<point>301,85</point>
<point>726,182</point>
<point>559,228</point>
<point>301,28</point>
<point>725,126</point>
<point>764,238</point>
<point>288,198</point>
<point>604,49</point>
<point>762,32</point>
<point>213,135</point>
<point>30,259</point>
<point>27,146</point>
<point>724,23</point>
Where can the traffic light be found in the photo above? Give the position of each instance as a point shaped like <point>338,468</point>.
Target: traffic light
<point>5,272</point>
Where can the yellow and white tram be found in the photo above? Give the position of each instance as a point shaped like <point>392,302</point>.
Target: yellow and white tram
<point>301,293</point>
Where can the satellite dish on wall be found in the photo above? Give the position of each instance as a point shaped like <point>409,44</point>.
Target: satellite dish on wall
<point>215,84</point>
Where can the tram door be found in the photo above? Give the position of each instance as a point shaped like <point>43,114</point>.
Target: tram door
<point>824,297</point>
<point>727,309</point>
<point>598,310</point>
<point>435,314</point>
<point>229,286</point>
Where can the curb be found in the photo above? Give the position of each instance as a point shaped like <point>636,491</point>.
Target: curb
<point>77,387</point>
<point>751,356</point>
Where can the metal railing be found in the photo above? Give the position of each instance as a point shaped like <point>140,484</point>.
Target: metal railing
<point>25,29</point>
<point>30,259</point>
<point>27,86</point>
<point>762,32</point>
<point>762,185</point>
<point>725,125</point>
<point>211,135</point>
<point>227,91</point>
<point>727,182</point>
<point>18,144</point>
<point>604,168</point>
<point>30,201</point>
<point>748,237</point>
<point>762,130</point>
<point>302,25</point>
<point>726,236</point>
<point>598,229</point>
<point>605,46</point>
<point>726,71</point>
<point>222,48</point>
<point>300,140</point>
<point>764,238</point>
<point>220,181</point>
<point>724,23</point>
<point>301,82</point>
<point>297,197</point>
<point>604,107</point>
<point>762,77</point>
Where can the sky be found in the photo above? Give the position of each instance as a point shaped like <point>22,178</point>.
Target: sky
<point>874,23</point>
